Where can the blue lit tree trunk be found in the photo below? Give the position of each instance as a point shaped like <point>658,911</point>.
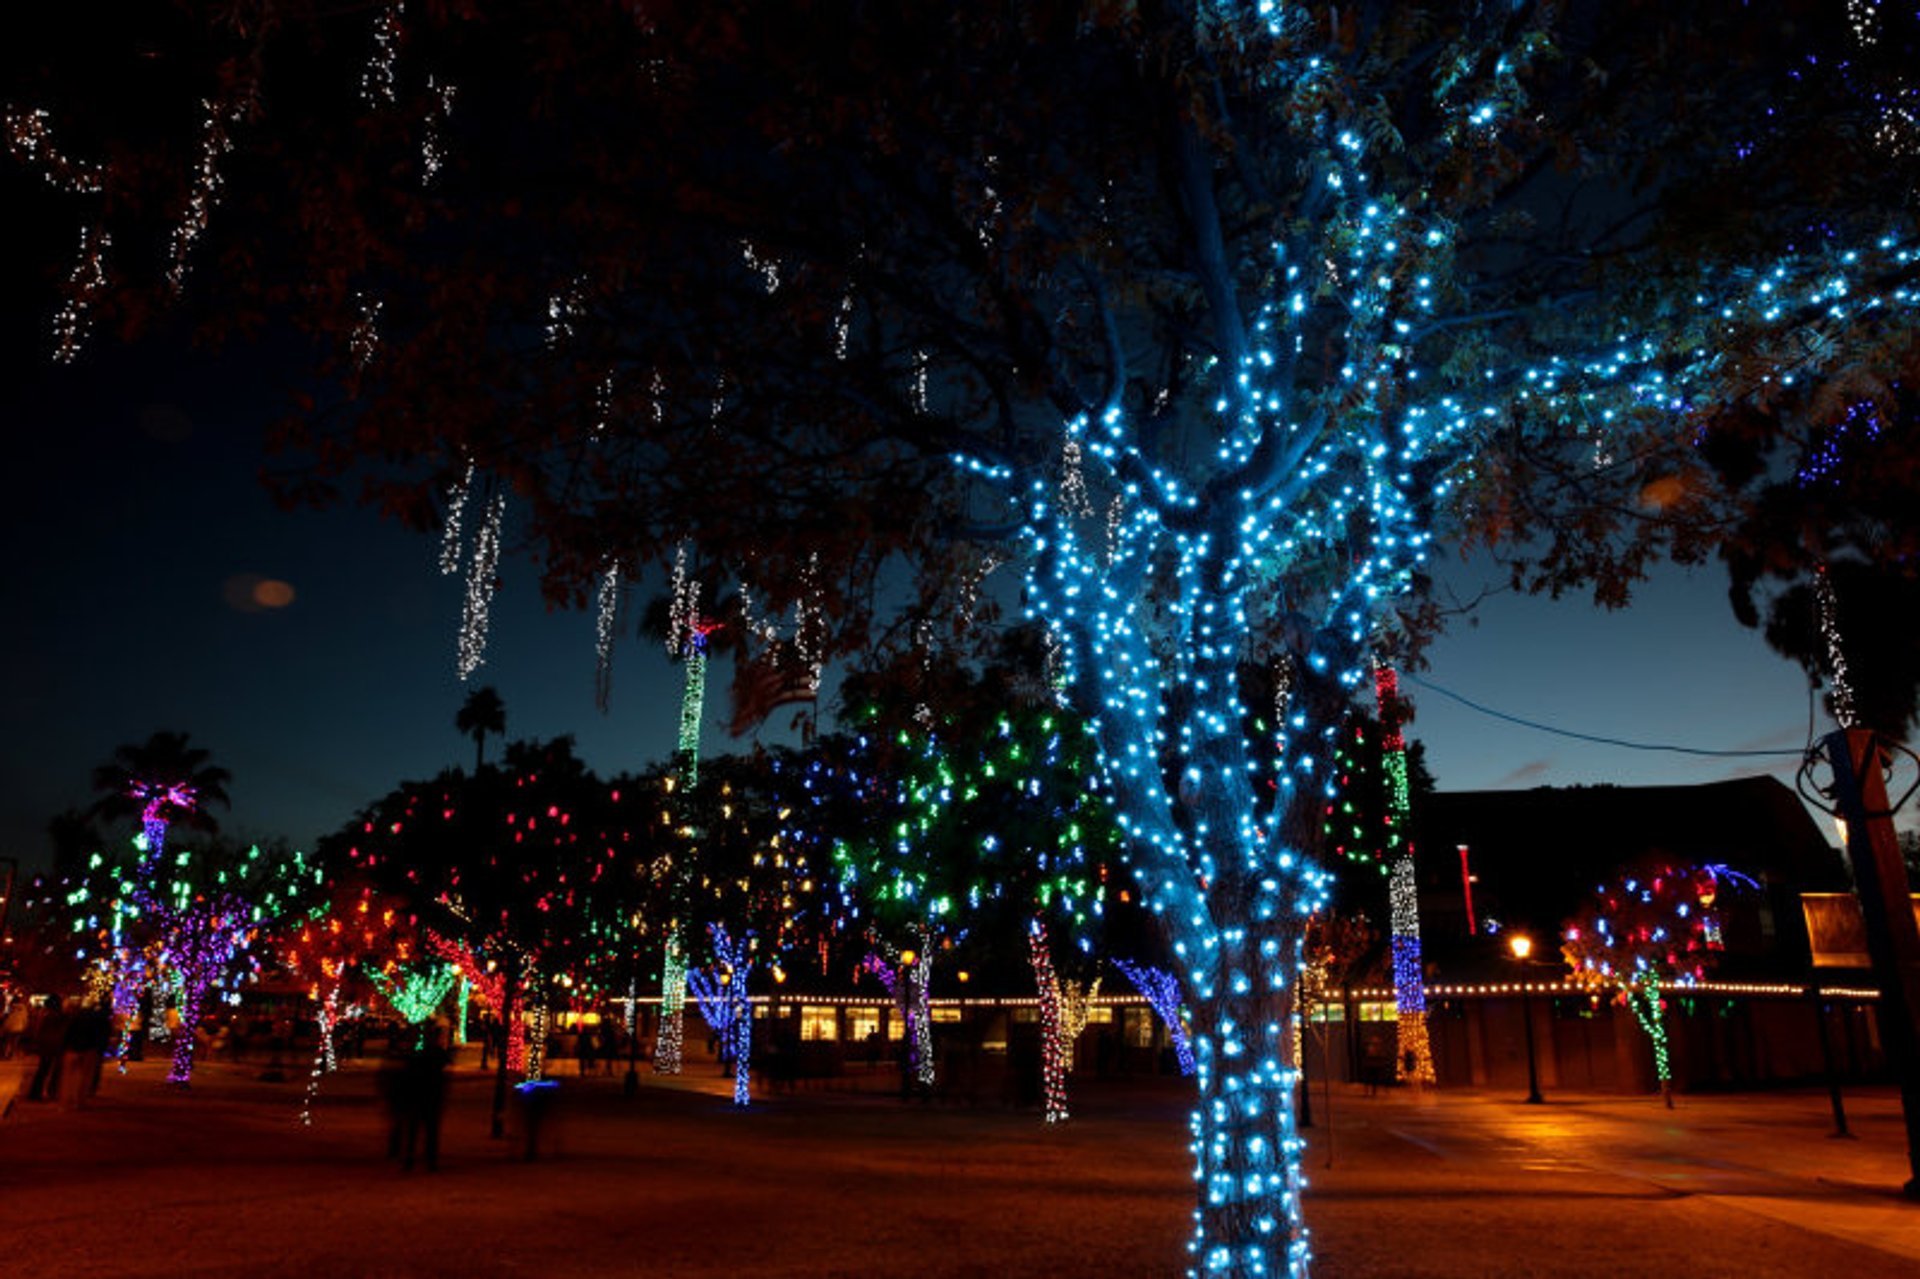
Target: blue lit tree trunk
<point>1245,1144</point>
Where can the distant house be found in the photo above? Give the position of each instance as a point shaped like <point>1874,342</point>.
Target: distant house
<point>1527,860</point>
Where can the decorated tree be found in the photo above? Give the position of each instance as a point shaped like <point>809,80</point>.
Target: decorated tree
<point>724,1003</point>
<point>1001,815</point>
<point>1653,928</point>
<point>187,924</point>
<point>510,866</point>
<point>1215,317</point>
<point>356,932</point>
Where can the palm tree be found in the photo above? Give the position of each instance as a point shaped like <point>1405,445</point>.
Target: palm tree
<point>483,712</point>
<point>162,780</point>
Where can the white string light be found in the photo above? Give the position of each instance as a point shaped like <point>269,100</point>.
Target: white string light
<point>378,84</point>
<point>809,630</point>
<point>364,342</point>
<point>920,365</point>
<point>843,324</point>
<point>565,307</point>
<point>86,282</point>
<point>204,192</point>
<point>481,583</point>
<point>1843,707</point>
<point>603,405</point>
<point>30,139</point>
<point>604,623</point>
<point>1864,17</point>
<point>768,268</point>
<point>433,143</point>
<point>450,534</point>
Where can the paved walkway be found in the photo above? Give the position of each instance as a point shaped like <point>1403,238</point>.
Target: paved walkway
<point>674,1182</point>
<point>1771,1154</point>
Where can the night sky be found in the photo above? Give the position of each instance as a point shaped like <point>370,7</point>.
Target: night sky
<point>138,527</point>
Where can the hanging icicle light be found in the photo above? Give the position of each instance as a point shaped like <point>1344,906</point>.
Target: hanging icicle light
<point>451,540</point>
<point>1843,708</point>
<point>843,324</point>
<point>364,342</point>
<point>433,145</point>
<point>204,191</point>
<point>378,83</point>
<point>88,281</point>
<point>604,622</point>
<point>481,583</point>
<point>920,367</point>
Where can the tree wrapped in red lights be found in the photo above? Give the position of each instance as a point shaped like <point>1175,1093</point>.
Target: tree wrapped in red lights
<point>359,932</point>
<point>510,862</point>
<point>1654,927</point>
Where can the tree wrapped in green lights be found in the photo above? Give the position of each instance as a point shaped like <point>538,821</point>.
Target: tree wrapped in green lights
<point>1652,929</point>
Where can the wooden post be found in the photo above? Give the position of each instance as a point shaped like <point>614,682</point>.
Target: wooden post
<point>1893,942</point>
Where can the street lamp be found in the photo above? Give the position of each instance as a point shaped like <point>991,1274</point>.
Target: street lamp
<point>1522,946</point>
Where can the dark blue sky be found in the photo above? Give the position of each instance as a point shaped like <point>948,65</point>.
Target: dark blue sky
<point>132,506</point>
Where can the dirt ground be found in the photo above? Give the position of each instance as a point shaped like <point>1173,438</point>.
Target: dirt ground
<point>225,1181</point>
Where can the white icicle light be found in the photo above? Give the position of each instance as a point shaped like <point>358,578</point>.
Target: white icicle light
<point>603,636</point>
<point>450,535</point>
<point>472,653</point>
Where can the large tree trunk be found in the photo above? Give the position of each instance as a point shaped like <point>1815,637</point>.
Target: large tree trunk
<point>1246,1148</point>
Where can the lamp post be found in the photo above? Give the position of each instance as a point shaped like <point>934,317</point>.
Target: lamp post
<point>1522,946</point>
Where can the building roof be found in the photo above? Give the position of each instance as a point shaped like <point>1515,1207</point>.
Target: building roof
<point>1534,856</point>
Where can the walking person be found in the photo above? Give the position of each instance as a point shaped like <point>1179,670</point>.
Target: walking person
<point>49,1042</point>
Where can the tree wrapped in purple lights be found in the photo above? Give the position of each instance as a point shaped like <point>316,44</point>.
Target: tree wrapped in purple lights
<point>1161,990</point>
<point>724,1003</point>
<point>194,916</point>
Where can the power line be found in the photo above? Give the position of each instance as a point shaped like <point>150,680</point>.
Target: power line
<point>1592,737</point>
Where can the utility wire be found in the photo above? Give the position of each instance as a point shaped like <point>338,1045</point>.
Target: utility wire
<point>1591,737</point>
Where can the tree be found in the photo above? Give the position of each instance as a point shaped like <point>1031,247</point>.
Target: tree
<point>483,712</point>
<point>163,780</point>
<point>1215,317</point>
<point>1652,928</point>
<point>997,816</point>
<point>507,867</point>
<point>184,925</point>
